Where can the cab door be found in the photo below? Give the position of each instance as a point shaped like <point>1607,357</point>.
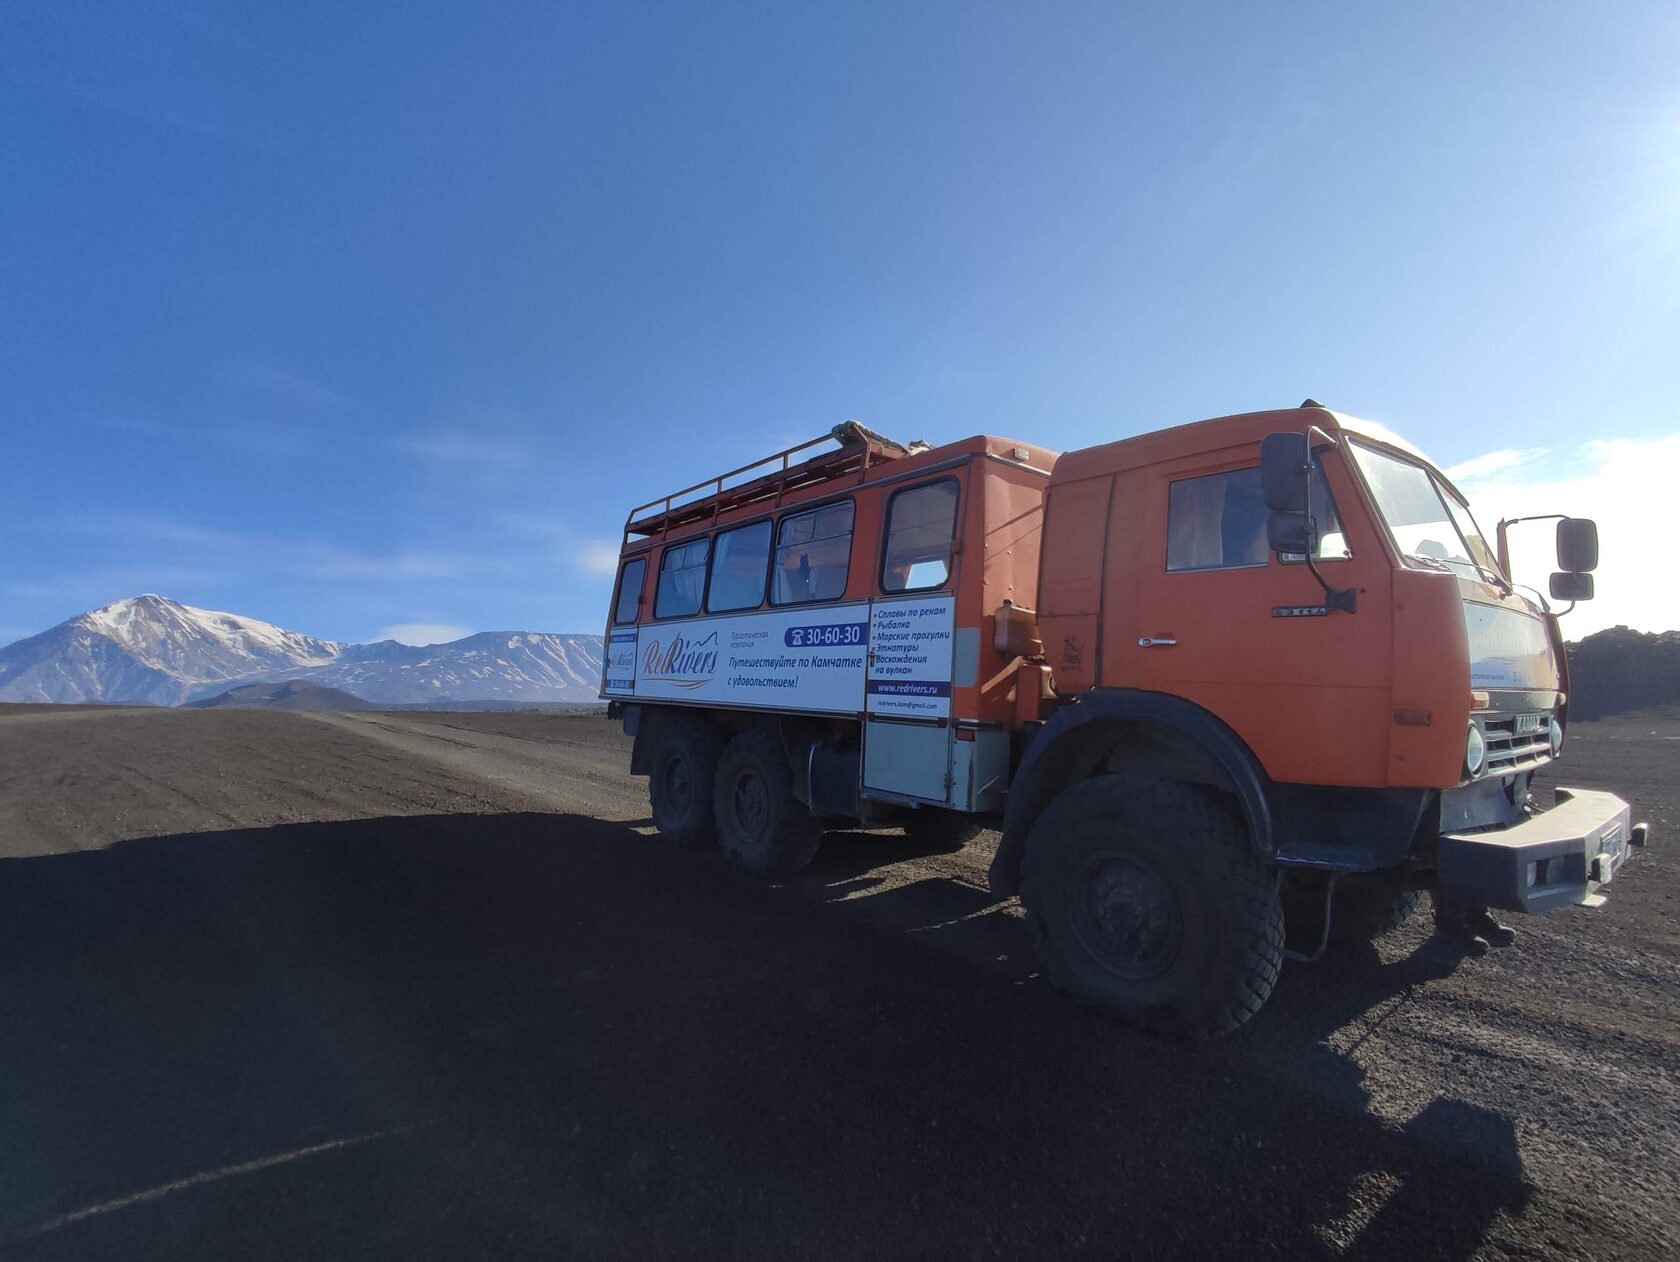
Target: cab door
<point>1221,621</point>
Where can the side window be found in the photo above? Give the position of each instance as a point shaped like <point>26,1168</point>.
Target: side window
<point>738,569</point>
<point>682,577</point>
<point>813,553</point>
<point>1219,522</point>
<point>1216,522</point>
<point>920,526</point>
<point>629,590</point>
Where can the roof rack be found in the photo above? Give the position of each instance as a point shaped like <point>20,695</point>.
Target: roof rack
<point>858,450</point>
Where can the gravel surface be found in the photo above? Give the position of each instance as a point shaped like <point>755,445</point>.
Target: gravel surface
<point>410,984</point>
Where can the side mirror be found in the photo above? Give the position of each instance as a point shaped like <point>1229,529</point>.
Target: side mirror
<point>1572,586</point>
<point>1289,532</point>
<point>1283,485</point>
<point>1283,472</point>
<point>1577,549</point>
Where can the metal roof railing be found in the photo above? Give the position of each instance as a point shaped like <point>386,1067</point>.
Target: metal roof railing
<point>857,450</point>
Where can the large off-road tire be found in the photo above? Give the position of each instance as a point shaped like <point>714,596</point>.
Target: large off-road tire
<point>1145,899</point>
<point>760,824</point>
<point>936,829</point>
<point>680,784</point>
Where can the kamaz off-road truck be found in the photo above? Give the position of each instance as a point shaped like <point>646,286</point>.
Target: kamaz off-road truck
<point>1194,679</point>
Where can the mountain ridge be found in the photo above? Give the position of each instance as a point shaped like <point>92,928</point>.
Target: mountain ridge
<point>152,650</point>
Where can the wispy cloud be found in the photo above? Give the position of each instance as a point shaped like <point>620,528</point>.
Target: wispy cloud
<point>194,122</point>
<point>1502,461</point>
<point>460,447</point>
<point>140,427</point>
<point>292,386</point>
<point>562,541</point>
<point>328,561</point>
<point>90,588</point>
<point>1626,485</point>
<point>423,633</point>
<point>598,556</point>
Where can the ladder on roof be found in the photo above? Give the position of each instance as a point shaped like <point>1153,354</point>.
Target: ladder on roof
<point>858,450</point>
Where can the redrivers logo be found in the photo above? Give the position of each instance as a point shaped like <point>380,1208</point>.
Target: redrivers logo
<point>685,663</point>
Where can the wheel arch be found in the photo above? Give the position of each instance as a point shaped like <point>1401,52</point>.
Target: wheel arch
<point>1151,732</point>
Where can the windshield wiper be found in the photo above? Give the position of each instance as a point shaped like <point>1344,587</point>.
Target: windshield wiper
<point>1430,563</point>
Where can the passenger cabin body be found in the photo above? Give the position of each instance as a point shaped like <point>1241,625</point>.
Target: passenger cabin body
<point>856,585</point>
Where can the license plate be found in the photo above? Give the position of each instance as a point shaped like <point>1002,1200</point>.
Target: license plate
<point>1612,849</point>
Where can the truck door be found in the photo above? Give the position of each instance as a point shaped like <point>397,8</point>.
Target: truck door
<point>618,674</point>
<point>907,687</point>
<point>1221,621</point>
<point>907,701</point>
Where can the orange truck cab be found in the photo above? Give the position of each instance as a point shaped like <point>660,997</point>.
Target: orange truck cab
<point>1200,680</point>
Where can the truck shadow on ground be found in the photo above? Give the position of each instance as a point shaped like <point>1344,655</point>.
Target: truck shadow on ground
<point>527,1034</point>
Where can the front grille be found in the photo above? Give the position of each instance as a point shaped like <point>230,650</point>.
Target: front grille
<point>1517,742</point>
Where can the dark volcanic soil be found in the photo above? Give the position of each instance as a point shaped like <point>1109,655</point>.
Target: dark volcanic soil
<point>425,984</point>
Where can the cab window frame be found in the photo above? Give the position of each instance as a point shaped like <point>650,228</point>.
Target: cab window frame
<point>1319,482</point>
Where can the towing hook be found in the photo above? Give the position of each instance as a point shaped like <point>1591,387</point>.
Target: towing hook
<point>1636,837</point>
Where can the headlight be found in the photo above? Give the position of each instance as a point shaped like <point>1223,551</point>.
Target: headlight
<point>1557,737</point>
<point>1475,751</point>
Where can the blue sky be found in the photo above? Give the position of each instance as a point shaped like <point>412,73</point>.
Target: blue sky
<point>353,317</point>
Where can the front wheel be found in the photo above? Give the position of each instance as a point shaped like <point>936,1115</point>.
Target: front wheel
<point>1145,899</point>
<point>760,823</point>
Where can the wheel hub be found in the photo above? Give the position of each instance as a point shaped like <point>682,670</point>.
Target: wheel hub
<point>752,802</point>
<point>1135,916</point>
<point>679,783</point>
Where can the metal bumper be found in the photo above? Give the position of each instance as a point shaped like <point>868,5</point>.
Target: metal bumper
<point>1549,859</point>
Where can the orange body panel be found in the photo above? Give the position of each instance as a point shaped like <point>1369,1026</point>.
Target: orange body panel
<point>1314,697</point>
<point>1375,698</point>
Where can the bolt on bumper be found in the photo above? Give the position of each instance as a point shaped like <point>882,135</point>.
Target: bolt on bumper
<point>1550,859</point>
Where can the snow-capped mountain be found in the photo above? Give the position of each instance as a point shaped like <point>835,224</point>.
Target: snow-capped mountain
<point>155,651</point>
<point>490,666</point>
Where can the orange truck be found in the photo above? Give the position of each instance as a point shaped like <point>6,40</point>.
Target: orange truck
<point>1197,680</point>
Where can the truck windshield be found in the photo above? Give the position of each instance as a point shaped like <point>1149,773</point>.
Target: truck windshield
<point>1433,529</point>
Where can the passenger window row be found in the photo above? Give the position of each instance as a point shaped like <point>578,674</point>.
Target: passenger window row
<point>807,561</point>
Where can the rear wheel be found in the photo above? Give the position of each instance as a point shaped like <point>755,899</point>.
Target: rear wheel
<point>684,768</point>
<point>760,823</point>
<point>1146,900</point>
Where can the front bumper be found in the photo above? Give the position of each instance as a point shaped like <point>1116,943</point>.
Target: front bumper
<point>1547,860</point>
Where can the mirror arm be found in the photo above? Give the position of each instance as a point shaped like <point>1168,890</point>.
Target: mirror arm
<point>1506,522</point>
<point>1345,599</point>
<point>1329,439</point>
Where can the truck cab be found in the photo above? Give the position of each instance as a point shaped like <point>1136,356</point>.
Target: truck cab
<point>1196,679</point>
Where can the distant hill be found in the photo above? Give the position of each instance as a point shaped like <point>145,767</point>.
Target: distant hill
<point>151,650</point>
<point>288,694</point>
<point>1616,670</point>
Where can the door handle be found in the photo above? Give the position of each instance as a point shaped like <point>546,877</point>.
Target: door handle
<point>1156,642</point>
